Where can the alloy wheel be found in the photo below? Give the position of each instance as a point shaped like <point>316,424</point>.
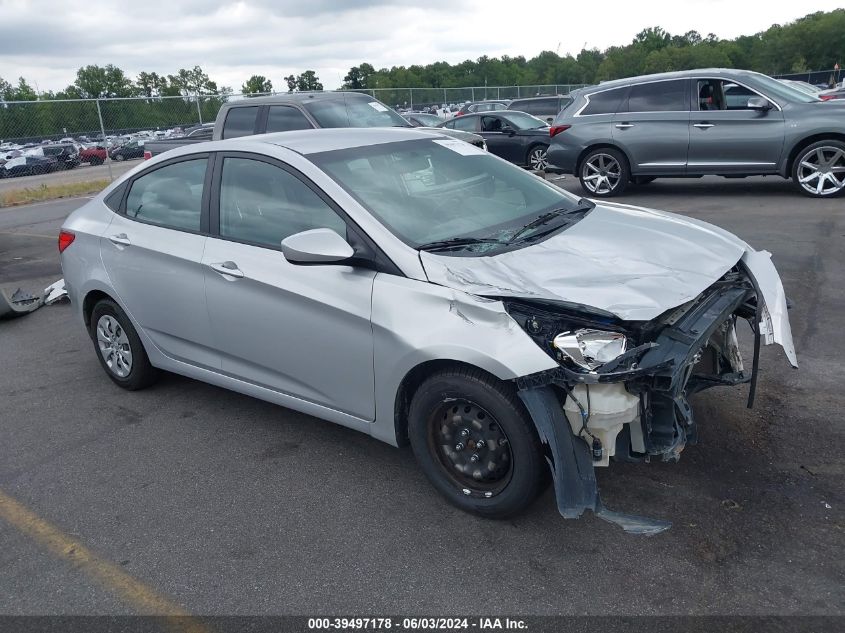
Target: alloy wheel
<point>114,346</point>
<point>472,448</point>
<point>537,159</point>
<point>821,171</point>
<point>601,173</point>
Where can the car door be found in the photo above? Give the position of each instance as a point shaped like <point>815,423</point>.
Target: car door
<point>503,144</point>
<point>152,251</point>
<point>728,137</point>
<point>652,127</point>
<point>300,330</point>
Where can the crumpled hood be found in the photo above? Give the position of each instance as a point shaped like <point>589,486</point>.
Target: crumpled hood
<point>636,263</point>
<point>633,262</point>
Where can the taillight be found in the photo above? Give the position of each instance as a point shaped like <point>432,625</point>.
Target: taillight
<point>557,129</point>
<point>825,97</point>
<point>65,239</point>
<point>147,154</point>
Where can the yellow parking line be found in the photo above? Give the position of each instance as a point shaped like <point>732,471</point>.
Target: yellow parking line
<point>144,599</point>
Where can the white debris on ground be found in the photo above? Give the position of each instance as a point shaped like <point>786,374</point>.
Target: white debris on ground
<point>55,292</point>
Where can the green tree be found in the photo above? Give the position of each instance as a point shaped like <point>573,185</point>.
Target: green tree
<point>290,80</point>
<point>308,81</point>
<point>103,81</point>
<point>257,84</point>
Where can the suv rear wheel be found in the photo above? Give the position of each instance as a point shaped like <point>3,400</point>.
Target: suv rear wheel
<point>604,172</point>
<point>819,169</point>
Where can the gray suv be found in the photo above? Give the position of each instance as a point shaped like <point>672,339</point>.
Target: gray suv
<point>730,123</point>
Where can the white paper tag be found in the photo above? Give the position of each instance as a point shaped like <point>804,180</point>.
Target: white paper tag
<point>375,105</point>
<point>461,147</point>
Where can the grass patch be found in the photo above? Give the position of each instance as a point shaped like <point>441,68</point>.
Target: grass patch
<point>51,192</point>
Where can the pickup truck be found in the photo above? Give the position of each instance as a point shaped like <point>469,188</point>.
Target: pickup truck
<point>303,111</point>
<point>196,134</point>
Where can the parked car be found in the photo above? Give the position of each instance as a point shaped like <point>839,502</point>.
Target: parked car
<point>422,119</point>
<point>803,86</point>
<point>93,154</point>
<point>420,290</point>
<point>290,112</point>
<point>132,149</point>
<point>24,165</point>
<point>66,154</point>
<point>545,108</point>
<point>490,105</point>
<point>831,95</point>
<point>515,136</point>
<point>730,123</point>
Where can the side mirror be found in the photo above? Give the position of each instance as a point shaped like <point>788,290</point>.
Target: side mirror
<point>317,246</point>
<point>759,103</point>
<point>507,129</point>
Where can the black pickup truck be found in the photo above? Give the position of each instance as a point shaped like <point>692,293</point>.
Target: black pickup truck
<point>302,111</point>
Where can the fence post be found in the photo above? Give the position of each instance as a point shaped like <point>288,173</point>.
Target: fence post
<point>498,92</point>
<point>444,96</point>
<point>199,111</point>
<point>517,91</point>
<point>411,90</point>
<point>473,94</point>
<point>105,143</point>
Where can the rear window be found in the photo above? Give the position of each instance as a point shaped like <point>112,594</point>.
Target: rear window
<point>353,112</point>
<point>286,118</point>
<point>240,122</point>
<point>606,102</point>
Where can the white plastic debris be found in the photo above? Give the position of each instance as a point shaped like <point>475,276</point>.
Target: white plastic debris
<point>55,292</point>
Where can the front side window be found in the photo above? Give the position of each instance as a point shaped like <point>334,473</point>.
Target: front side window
<point>263,204</point>
<point>491,124</point>
<point>240,122</point>
<point>606,102</point>
<point>659,96</point>
<point>286,118</point>
<point>466,123</point>
<point>523,121</point>
<point>170,196</point>
<point>439,189</point>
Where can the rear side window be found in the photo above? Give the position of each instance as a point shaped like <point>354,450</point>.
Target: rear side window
<point>264,204</point>
<point>240,122</point>
<point>114,199</point>
<point>170,196</point>
<point>536,106</point>
<point>286,118</point>
<point>606,102</point>
<point>659,96</point>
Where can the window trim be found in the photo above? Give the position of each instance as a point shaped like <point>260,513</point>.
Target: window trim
<point>382,262</point>
<point>206,184</point>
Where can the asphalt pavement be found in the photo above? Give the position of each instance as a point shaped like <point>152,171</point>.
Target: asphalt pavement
<point>222,504</point>
<point>82,173</point>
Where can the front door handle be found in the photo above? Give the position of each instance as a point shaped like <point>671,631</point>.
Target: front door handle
<point>227,268</point>
<point>702,126</point>
<point>120,239</point>
<point>624,126</point>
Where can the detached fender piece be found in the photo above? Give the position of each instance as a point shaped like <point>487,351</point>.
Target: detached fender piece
<point>572,465</point>
<point>18,303</point>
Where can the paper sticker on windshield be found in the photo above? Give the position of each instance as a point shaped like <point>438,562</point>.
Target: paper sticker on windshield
<point>375,105</point>
<point>462,147</point>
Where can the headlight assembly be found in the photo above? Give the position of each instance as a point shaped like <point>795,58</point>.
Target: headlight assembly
<point>590,348</point>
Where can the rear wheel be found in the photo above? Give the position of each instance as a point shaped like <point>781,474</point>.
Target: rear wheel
<point>604,172</point>
<point>819,169</point>
<point>119,348</point>
<point>536,158</point>
<point>96,161</point>
<point>119,157</point>
<point>476,443</point>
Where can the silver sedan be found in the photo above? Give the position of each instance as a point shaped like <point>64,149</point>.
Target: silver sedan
<point>418,289</point>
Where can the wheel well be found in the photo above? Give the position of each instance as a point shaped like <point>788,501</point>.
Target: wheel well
<point>409,385</point>
<point>803,143</point>
<point>91,299</point>
<point>589,149</point>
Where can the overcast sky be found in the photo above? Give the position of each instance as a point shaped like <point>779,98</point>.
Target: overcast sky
<point>46,41</point>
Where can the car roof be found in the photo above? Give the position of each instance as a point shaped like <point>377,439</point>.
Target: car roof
<point>728,73</point>
<point>299,97</point>
<point>329,139</point>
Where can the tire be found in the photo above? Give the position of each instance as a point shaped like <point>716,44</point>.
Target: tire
<point>119,157</point>
<point>96,161</point>
<point>819,169</point>
<point>604,173</point>
<point>643,180</point>
<point>486,418</point>
<point>536,157</point>
<point>109,324</point>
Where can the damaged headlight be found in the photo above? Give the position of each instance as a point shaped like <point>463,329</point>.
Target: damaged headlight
<point>590,348</point>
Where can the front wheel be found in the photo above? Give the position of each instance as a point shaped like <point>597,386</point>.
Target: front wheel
<point>476,443</point>
<point>604,173</point>
<point>119,157</point>
<point>537,159</point>
<point>819,170</point>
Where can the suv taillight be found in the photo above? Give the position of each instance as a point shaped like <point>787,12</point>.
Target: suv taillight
<point>147,154</point>
<point>65,239</point>
<point>557,129</point>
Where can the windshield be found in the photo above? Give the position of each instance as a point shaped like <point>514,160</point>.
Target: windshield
<point>783,92</point>
<point>430,120</point>
<point>354,112</point>
<point>427,191</point>
<point>523,121</point>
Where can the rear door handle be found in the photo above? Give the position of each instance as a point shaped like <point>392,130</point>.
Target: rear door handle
<point>227,268</point>
<point>624,126</point>
<point>702,126</point>
<point>120,239</point>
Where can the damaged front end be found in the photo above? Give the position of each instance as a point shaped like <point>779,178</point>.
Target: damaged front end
<point>620,388</point>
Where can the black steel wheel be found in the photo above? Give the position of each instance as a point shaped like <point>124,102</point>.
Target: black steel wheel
<point>476,443</point>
